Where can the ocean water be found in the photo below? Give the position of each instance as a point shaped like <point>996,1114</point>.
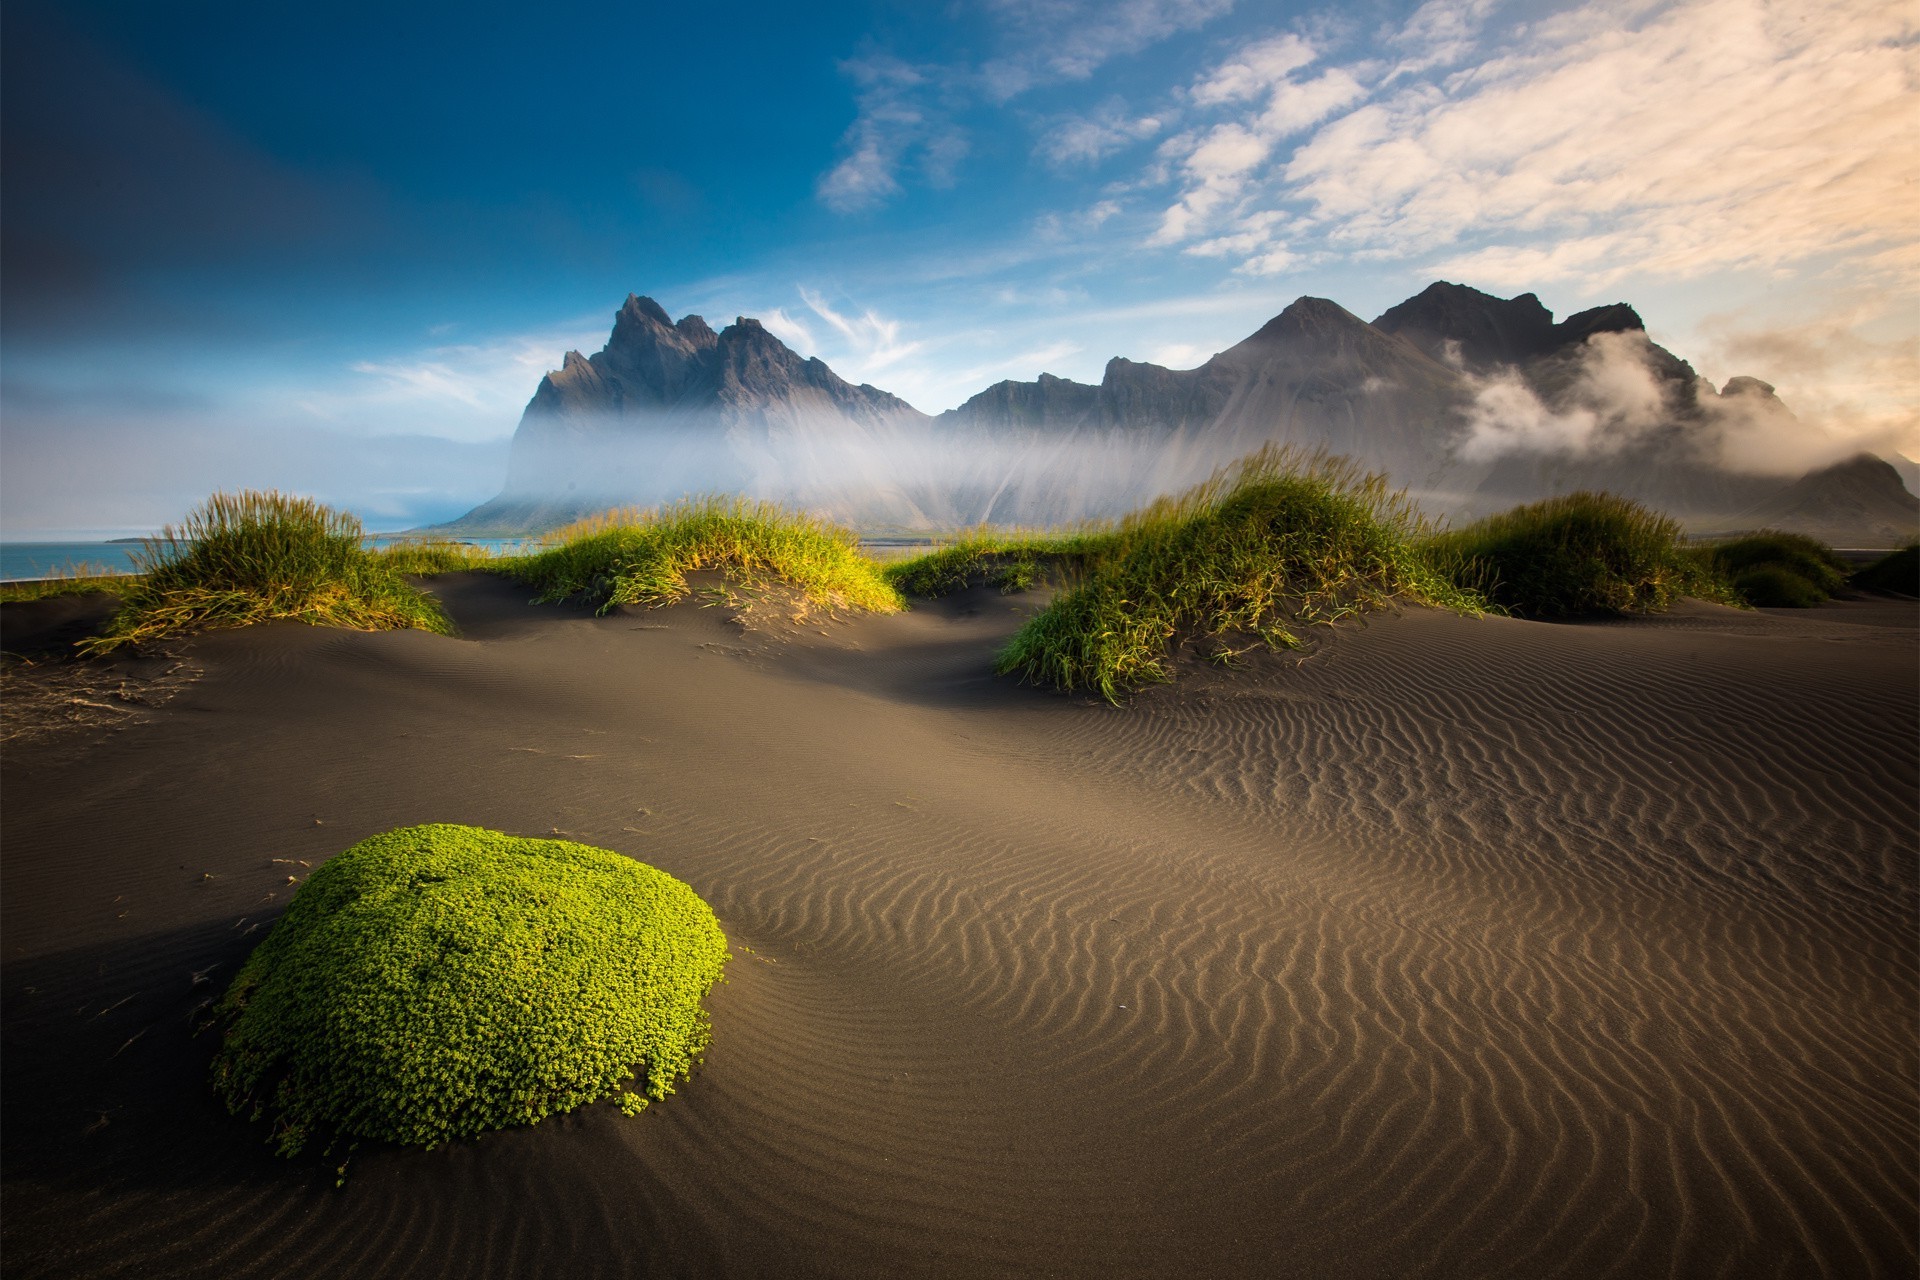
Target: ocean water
<point>20,560</point>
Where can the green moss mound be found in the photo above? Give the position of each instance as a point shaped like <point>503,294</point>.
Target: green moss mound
<point>1896,574</point>
<point>643,557</point>
<point>1775,570</point>
<point>439,981</point>
<point>1280,541</point>
<point>1576,555</point>
<point>250,557</point>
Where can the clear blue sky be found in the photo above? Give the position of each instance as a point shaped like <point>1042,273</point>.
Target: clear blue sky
<point>332,247</point>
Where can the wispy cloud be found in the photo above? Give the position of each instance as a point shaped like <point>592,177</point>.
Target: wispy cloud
<point>1665,139</point>
<point>1085,140</point>
<point>898,116</point>
<point>466,391</point>
<point>1071,39</point>
<point>907,113</point>
<point>870,342</point>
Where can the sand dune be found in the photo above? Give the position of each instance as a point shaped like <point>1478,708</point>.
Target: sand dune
<point>1473,948</point>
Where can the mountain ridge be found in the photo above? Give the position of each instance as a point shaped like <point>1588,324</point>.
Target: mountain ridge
<point>670,407</point>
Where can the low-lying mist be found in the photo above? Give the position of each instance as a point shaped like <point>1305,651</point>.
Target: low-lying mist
<point>900,477</point>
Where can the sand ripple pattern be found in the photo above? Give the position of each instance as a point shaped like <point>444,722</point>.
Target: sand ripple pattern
<point>1477,949</point>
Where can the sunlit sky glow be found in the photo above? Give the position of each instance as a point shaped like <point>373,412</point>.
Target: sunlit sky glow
<point>332,248</point>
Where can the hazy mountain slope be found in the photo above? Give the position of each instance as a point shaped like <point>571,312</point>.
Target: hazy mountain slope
<point>1859,502</point>
<point>1471,401</point>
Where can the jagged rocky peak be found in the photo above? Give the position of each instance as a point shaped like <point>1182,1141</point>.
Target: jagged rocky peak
<point>1741,385</point>
<point>1614,317</point>
<point>1483,329</point>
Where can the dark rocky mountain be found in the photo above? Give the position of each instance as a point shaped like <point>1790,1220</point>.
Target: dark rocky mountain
<point>1316,376</point>
<point>1860,502</point>
<point>670,408</point>
<point>1458,324</point>
<point>1471,401</point>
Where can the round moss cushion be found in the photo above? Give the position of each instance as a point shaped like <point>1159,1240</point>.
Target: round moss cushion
<point>439,981</point>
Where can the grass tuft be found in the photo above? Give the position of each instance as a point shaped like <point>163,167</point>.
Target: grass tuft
<point>424,559</point>
<point>78,580</point>
<point>440,981</point>
<point>250,557</point>
<point>1896,574</point>
<point>643,557</point>
<point>1775,570</point>
<point>1577,555</point>
<point>1012,560</point>
<point>1277,542</point>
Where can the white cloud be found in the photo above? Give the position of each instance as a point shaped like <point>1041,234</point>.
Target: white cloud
<point>892,120</point>
<point>1844,376</point>
<point>1614,400</point>
<point>464,391</point>
<point>1439,34</point>
<point>871,342</point>
<point>1071,39</point>
<point>906,112</point>
<point>1256,69</point>
<point>790,330</point>
<point>1662,139</point>
<point>1216,169</point>
<point>1085,140</point>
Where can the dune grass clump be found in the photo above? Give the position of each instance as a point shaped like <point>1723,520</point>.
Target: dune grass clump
<point>440,981</point>
<point>1011,560</point>
<point>1774,570</point>
<point>1279,541</point>
<point>643,557</point>
<point>77,580</point>
<point>1577,555</point>
<point>1896,574</point>
<point>250,557</point>
<point>424,559</point>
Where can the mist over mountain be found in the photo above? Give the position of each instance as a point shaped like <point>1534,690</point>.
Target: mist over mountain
<point>1471,401</point>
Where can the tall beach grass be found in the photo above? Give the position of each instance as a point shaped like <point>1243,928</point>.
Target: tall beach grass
<point>1578,555</point>
<point>638,557</point>
<point>1278,542</point>
<point>1774,570</point>
<point>254,556</point>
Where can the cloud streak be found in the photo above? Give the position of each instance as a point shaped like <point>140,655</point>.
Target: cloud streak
<point>1669,139</point>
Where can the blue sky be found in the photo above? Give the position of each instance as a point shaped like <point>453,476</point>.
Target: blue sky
<point>332,248</point>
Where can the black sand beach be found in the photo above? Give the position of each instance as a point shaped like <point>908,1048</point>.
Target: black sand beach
<point>1465,948</point>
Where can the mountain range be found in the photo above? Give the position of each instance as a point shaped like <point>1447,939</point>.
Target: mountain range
<point>1471,401</point>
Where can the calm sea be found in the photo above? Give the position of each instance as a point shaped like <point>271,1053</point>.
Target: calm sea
<point>52,559</point>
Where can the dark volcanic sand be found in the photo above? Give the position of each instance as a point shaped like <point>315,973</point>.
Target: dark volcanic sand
<point>1465,948</point>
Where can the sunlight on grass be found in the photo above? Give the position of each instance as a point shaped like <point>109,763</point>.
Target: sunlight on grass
<point>251,557</point>
<point>643,557</point>
<point>1279,541</point>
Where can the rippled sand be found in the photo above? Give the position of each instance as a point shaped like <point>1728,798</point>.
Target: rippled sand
<point>1472,948</point>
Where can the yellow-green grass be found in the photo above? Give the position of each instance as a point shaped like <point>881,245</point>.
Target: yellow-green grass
<point>638,557</point>
<point>1775,570</point>
<point>440,981</point>
<point>1280,541</point>
<point>250,557</point>
<point>78,580</point>
<point>1577,555</point>
<point>1010,559</point>
<point>424,559</point>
